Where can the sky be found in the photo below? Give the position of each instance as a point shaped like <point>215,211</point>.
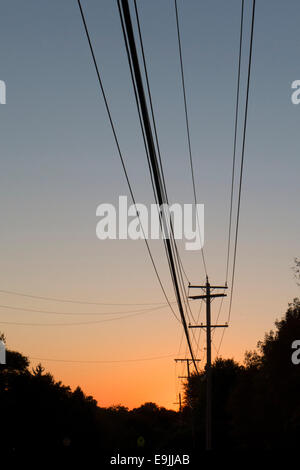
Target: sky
<point>59,161</point>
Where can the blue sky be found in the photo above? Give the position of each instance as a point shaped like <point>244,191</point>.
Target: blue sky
<point>59,162</point>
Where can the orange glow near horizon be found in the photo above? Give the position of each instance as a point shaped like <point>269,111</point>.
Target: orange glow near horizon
<point>59,161</point>
<point>129,384</point>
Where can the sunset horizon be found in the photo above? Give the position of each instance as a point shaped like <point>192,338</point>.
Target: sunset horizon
<point>150,199</point>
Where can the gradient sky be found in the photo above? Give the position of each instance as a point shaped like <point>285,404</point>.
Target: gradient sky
<point>59,161</point>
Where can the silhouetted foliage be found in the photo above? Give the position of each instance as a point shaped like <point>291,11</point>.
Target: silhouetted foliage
<point>297,270</point>
<point>225,373</point>
<point>255,406</point>
<point>271,396</point>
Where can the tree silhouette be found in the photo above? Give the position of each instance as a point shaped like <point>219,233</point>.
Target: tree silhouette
<point>225,373</point>
<point>255,406</point>
<point>296,269</point>
<point>265,405</point>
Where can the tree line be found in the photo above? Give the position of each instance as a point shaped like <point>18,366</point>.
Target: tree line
<point>255,406</point>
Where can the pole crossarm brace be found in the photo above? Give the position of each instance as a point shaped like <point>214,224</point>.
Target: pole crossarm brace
<point>204,287</point>
<point>208,296</point>
<point>179,402</point>
<point>210,326</point>
<point>184,360</point>
<point>205,296</point>
<point>188,362</point>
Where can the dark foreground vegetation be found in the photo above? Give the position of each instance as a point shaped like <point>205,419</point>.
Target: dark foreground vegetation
<point>255,406</point>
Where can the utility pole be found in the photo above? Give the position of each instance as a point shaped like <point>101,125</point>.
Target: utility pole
<point>188,362</point>
<point>208,296</point>
<point>179,402</point>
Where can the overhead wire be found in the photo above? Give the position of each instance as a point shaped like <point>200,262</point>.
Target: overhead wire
<point>119,150</point>
<point>74,301</point>
<point>178,261</point>
<point>154,120</point>
<point>144,136</point>
<point>100,361</point>
<point>241,169</point>
<point>235,138</point>
<point>179,264</point>
<point>237,100</point>
<point>25,309</point>
<point>188,131</point>
<point>189,150</point>
<point>91,322</point>
<point>130,41</point>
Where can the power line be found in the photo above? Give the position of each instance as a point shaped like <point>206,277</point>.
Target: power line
<point>158,188</point>
<point>130,41</point>
<point>200,330</point>
<point>150,97</point>
<point>243,157</point>
<point>101,362</point>
<point>179,261</point>
<point>147,150</point>
<point>119,150</point>
<point>241,169</point>
<point>74,301</point>
<point>219,312</point>
<point>92,322</point>
<point>233,157</point>
<point>235,138</point>
<point>153,176</point>
<point>24,309</point>
<point>190,154</point>
<point>188,129</point>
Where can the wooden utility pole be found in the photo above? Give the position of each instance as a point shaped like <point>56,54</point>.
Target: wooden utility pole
<point>188,362</point>
<point>208,296</point>
<point>179,402</point>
